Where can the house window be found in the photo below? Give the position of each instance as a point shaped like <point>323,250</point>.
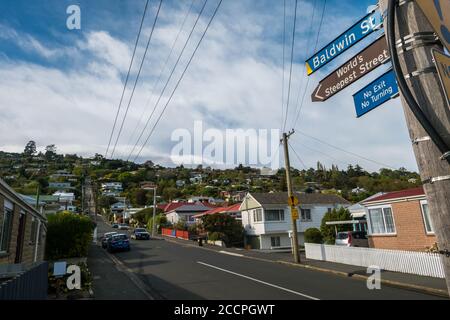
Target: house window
<point>426,217</point>
<point>381,221</point>
<point>275,242</point>
<point>257,215</point>
<point>6,226</point>
<point>274,215</point>
<point>34,224</point>
<point>305,214</point>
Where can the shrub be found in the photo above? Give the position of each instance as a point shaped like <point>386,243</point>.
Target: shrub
<point>68,236</point>
<point>160,221</point>
<point>193,229</point>
<point>216,236</point>
<point>228,226</point>
<point>181,225</point>
<point>313,235</point>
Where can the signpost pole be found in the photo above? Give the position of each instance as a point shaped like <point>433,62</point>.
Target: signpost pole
<point>291,196</point>
<point>425,86</point>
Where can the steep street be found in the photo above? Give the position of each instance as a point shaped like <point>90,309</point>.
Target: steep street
<point>169,270</point>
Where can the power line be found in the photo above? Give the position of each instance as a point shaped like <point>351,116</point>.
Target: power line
<point>310,36</point>
<point>168,80</point>
<point>284,62</point>
<point>323,153</point>
<point>128,76</point>
<point>181,78</point>
<point>292,62</point>
<point>298,157</point>
<point>345,151</point>
<point>309,78</point>
<point>156,83</point>
<point>137,77</point>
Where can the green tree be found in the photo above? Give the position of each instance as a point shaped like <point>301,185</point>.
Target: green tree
<point>329,232</point>
<point>106,202</point>
<point>140,197</point>
<point>30,148</point>
<point>50,152</point>
<point>226,225</point>
<point>160,222</point>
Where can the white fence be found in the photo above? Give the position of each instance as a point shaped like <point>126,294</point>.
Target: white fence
<point>420,263</point>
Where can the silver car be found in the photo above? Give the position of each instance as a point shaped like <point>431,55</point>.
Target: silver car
<point>352,239</point>
<point>123,226</point>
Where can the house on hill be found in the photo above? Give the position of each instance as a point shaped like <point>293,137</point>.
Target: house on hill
<point>267,222</point>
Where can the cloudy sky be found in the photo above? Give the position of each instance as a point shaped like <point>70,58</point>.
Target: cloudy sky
<point>63,87</point>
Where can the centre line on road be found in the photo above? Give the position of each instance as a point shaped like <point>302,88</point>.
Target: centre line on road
<point>231,253</point>
<point>259,281</point>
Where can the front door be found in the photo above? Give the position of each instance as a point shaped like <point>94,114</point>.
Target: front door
<point>20,238</point>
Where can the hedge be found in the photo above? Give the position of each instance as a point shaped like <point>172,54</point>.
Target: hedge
<point>68,236</point>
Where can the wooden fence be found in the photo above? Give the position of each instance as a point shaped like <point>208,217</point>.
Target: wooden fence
<point>175,233</point>
<point>420,263</point>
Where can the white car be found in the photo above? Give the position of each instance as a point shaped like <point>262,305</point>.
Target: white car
<point>123,226</point>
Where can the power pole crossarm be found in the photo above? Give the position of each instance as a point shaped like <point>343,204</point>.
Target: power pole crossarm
<point>291,196</point>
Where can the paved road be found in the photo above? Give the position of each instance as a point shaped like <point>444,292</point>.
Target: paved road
<point>172,271</point>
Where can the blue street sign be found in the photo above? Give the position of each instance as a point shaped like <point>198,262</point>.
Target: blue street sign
<point>376,93</point>
<point>356,33</point>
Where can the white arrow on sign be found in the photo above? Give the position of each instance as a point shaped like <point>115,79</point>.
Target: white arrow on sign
<point>316,94</point>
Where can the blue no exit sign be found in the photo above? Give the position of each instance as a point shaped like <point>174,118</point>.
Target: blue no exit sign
<point>376,93</point>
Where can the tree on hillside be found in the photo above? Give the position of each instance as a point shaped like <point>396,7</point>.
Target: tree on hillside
<point>50,152</point>
<point>140,197</point>
<point>30,148</point>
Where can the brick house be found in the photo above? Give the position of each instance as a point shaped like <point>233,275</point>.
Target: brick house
<point>22,229</point>
<point>400,220</point>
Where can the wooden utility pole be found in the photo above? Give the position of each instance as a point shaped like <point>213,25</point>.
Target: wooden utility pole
<point>293,210</point>
<point>418,67</point>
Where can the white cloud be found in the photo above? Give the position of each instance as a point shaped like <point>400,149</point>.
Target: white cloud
<point>107,48</point>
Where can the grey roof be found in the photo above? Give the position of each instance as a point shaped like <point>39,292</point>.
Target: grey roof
<point>304,198</point>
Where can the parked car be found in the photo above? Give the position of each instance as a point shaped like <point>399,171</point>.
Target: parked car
<point>123,226</point>
<point>140,234</point>
<point>118,242</point>
<point>105,238</point>
<point>352,239</point>
<point>115,225</point>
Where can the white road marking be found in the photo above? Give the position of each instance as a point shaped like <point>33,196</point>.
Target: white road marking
<point>259,281</point>
<point>231,253</point>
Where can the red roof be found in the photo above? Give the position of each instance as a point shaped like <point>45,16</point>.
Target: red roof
<point>173,205</point>
<point>399,195</point>
<point>210,212</point>
<point>232,208</point>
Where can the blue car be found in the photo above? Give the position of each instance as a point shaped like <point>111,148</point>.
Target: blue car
<point>118,242</point>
